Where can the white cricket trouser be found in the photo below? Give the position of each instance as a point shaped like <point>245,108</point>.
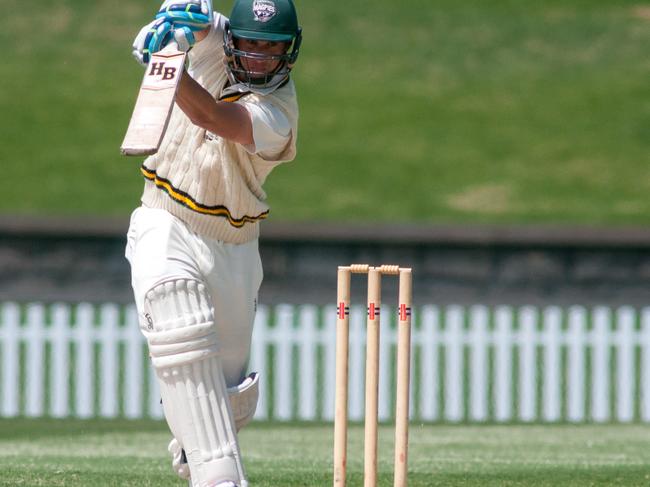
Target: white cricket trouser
<point>160,248</point>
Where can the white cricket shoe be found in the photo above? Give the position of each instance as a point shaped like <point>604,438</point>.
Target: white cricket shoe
<point>182,469</point>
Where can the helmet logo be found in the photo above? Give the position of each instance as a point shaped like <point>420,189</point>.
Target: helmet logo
<point>264,10</point>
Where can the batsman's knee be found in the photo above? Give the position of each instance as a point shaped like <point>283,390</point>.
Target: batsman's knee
<point>178,323</point>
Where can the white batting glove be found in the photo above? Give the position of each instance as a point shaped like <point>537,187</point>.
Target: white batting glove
<point>138,44</point>
<point>151,39</point>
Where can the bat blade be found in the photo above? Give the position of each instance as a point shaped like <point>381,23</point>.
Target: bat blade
<point>154,104</point>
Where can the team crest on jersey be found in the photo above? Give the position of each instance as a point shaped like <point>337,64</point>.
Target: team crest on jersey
<point>264,10</point>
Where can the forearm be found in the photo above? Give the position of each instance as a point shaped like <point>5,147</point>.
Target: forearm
<point>228,120</point>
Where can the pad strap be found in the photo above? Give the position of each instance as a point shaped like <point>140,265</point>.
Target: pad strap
<point>243,400</point>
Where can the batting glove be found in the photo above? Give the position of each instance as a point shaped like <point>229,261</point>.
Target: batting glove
<point>184,38</point>
<point>193,14</point>
<point>151,38</point>
<point>138,44</point>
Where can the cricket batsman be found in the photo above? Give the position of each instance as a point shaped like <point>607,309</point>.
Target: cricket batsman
<point>193,243</point>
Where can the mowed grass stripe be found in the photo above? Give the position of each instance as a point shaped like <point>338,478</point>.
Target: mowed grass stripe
<point>121,453</point>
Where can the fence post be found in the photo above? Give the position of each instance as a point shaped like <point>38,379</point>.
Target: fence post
<point>85,362</point>
<point>10,359</point>
<point>454,330</point>
<point>527,365</point>
<point>600,365</point>
<point>34,371</point>
<point>551,378</point>
<point>503,364</point>
<point>60,367</point>
<point>576,364</point>
<point>625,321</point>
<point>478,363</point>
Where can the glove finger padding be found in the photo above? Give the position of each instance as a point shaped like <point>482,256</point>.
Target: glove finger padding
<point>204,6</point>
<point>139,44</point>
<point>193,14</point>
<point>184,38</point>
<point>194,21</point>
<point>157,38</point>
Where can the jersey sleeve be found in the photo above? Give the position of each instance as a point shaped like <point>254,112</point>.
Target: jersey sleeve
<point>271,129</point>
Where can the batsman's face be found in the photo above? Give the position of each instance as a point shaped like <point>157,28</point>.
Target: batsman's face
<point>264,48</point>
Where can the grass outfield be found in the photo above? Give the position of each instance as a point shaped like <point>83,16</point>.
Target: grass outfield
<point>119,453</point>
<point>504,111</point>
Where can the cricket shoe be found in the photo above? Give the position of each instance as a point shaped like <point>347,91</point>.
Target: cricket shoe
<point>182,469</point>
<point>221,484</point>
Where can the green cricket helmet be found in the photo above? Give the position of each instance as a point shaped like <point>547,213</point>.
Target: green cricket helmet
<point>263,20</point>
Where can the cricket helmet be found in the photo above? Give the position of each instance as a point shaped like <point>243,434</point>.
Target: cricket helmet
<point>263,20</point>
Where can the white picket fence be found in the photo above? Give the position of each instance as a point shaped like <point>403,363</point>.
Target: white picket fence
<point>476,364</point>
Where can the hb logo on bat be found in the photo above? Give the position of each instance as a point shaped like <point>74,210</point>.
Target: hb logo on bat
<point>159,69</point>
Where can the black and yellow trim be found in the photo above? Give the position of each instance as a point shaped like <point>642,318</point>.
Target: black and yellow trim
<point>187,201</point>
<point>234,97</point>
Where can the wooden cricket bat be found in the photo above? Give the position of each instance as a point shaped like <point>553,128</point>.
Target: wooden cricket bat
<point>155,102</point>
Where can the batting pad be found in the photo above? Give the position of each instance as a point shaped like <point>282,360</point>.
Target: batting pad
<point>243,403</point>
<point>183,345</point>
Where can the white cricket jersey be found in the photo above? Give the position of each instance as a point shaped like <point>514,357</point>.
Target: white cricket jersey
<point>215,185</point>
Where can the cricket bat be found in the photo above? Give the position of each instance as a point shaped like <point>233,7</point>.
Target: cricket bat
<point>154,103</point>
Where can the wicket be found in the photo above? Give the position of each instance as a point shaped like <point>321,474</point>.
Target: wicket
<point>372,372</point>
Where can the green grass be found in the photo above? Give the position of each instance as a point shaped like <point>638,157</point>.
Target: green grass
<point>486,112</point>
<point>121,453</point>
